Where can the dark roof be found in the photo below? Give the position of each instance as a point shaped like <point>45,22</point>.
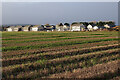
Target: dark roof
<point>76,24</point>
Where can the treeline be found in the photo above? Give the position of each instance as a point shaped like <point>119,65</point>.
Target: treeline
<point>99,23</point>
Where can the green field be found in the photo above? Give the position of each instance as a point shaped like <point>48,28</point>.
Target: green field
<point>54,54</point>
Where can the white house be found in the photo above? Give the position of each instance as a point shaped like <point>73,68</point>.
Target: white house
<point>48,27</point>
<point>11,28</point>
<point>66,27</point>
<point>37,28</point>
<point>27,28</point>
<point>89,27</point>
<point>18,28</point>
<point>95,28</point>
<point>59,27</point>
<point>106,26</point>
<point>77,27</point>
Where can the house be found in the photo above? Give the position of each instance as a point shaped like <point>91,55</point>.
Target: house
<point>77,27</point>
<point>109,26</point>
<point>117,28</point>
<point>59,27</point>
<point>27,28</point>
<point>95,28</point>
<point>66,27</point>
<point>11,28</point>
<point>48,27</point>
<point>18,28</point>
<point>53,27</point>
<point>90,28</point>
<point>106,26</point>
<point>37,28</point>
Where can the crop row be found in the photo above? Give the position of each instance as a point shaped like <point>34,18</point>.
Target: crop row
<point>21,53</point>
<point>37,34</point>
<point>98,71</point>
<point>116,78</point>
<point>48,39</point>
<point>64,67</point>
<point>26,34</point>
<point>20,37</point>
<point>41,41</point>
<point>31,37</point>
<point>47,64</point>
<point>47,56</point>
<point>62,43</point>
<point>54,41</point>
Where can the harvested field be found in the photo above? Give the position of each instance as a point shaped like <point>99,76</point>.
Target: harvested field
<point>104,70</point>
<point>82,55</point>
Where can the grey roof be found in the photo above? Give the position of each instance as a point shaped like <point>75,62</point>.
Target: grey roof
<point>11,27</point>
<point>36,26</point>
<point>18,27</point>
<point>76,24</point>
<point>49,26</point>
<point>27,26</point>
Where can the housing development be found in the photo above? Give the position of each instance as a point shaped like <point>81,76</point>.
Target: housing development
<point>75,26</point>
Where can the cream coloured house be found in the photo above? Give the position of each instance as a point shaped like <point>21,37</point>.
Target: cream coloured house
<point>59,27</point>
<point>11,28</point>
<point>106,26</point>
<point>37,28</point>
<point>90,27</point>
<point>77,27</point>
<point>18,28</point>
<point>95,28</point>
<point>27,28</point>
<point>66,27</point>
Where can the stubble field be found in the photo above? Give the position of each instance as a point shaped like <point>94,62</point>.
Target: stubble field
<point>80,55</point>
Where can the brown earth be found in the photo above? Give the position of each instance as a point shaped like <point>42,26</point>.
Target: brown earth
<point>55,49</point>
<point>92,72</point>
<point>47,42</point>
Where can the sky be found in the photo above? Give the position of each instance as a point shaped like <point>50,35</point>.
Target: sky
<point>60,0</point>
<point>56,12</point>
<point>119,13</point>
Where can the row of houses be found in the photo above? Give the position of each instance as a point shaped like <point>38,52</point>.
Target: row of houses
<point>58,27</point>
<point>31,28</point>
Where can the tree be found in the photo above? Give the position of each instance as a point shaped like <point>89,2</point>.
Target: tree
<point>67,24</point>
<point>74,23</point>
<point>47,25</point>
<point>100,23</point>
<point>111,23</point>
<point>60,24</point>
<point>85,24</point>
<point>91,23</point>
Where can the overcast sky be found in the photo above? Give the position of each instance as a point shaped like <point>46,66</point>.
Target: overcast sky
<point>60,0</point>
<point>56,12</point>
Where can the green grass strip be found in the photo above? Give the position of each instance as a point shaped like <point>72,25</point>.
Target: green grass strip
<point>4,49</point>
